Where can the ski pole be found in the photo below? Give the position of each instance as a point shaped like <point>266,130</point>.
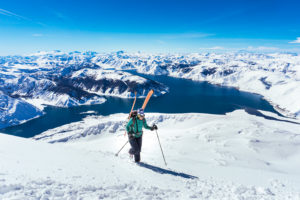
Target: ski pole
<point>161,148</point>
<point>121,148</point>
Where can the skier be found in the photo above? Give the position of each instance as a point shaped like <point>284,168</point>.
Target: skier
<point>135,132</point>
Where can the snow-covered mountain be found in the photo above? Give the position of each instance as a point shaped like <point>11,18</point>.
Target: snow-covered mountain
<point>75,78</point>
<point>275,76</point>
<point>74,75</point>
<point>208,156</point>
<point>58,79</point>
<point>15,111</point>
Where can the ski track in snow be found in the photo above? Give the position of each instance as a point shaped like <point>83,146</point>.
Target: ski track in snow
<point>144,187</point>
<point>191,189</point>
<point>233,156</point>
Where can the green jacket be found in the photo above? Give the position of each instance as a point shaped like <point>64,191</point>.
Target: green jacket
<point>137,128</point>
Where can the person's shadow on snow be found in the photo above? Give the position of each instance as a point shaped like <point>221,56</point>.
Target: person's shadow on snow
<point>165,171</point>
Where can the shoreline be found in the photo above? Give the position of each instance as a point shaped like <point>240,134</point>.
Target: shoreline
<point>276,107</point>
<point>284,112</point>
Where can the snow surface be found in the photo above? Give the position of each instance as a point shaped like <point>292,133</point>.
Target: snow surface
<point>132,83</point>
<point>14,111</point>
<point>232,156</point>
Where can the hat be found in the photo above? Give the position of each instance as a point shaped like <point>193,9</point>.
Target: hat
<point>141,112</point>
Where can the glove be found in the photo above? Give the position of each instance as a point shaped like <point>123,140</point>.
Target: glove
<point>130,135</point>
<point>154,127</point>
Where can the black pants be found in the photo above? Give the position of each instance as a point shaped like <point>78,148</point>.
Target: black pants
<point>136,147</point>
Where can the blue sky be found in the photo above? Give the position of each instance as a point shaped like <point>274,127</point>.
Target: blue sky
<point>150,26</point>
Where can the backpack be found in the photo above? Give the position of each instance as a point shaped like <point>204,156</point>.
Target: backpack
<point>133,115</point>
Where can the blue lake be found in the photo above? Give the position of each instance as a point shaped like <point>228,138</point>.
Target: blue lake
<point>184,96</point>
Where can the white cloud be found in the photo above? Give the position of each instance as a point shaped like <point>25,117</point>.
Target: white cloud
<point>60,16</point>
<point>213,48</point>
<point>160,41</point>
<point>262,48</point>
<point>186,35</point>
<point>37,35</point>
<point>217,48</point>
<point>297,41</point>
<point>11,14</point>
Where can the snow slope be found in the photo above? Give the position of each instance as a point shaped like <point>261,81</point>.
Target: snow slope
<point>115,83</point>
<point>233,156</point>
<point>14,111</point>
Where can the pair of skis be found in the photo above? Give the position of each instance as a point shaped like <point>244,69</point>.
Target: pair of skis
<point>143,107</point>
<point>145,101</point>
<point>144,104</point>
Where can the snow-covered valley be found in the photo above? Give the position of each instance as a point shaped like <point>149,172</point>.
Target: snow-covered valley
<point>232,156</point>
<point>71,79</point>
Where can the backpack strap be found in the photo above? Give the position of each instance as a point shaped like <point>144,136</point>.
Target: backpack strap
<point>137,127</point>
<point>133,122</point>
